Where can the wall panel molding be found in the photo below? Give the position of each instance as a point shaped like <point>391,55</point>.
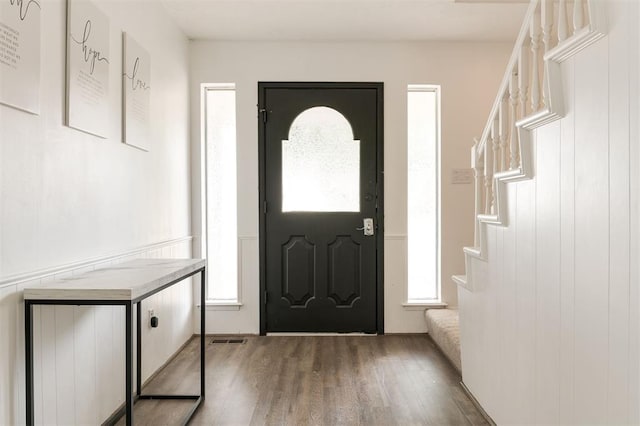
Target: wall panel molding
<point>392,237</point>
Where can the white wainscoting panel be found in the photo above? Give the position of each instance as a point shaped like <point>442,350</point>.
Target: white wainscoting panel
<point>619,368</point>
<point>398,318</point>
<point>567,249</point>
<point>591,233</point>
<point>245,319</point>
<point>547,263</point>
<point>634,289</point>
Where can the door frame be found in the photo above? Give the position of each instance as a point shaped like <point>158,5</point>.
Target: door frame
<point>262,116</point>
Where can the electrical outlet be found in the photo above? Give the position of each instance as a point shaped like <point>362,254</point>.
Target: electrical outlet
<point>153,320</point>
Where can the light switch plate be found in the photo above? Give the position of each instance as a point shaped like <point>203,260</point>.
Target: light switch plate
<point>462,176</point>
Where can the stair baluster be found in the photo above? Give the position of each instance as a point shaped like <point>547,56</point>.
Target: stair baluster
<point>562,21</point>
<point>535,34</point>
<point>496,147</point>
<point>523,80</point>
<point>578,15</point>
<point>488,175</point>
<point>547,32</point>
<point>513,134</point>
<point>503,118</point>
<point>478,172</point>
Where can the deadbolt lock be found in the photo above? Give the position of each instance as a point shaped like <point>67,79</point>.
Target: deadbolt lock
<point>367,226</point>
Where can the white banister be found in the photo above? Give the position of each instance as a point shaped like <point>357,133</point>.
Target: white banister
<point>520,41</point>
<point>535,33</point>
<point>530,95</point>
<point>543,34</point>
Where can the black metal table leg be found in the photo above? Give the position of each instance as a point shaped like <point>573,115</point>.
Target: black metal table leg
<point>28,353</point>
<point>129,366</point>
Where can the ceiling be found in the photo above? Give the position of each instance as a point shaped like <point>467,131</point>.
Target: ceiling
<point>348,20</point>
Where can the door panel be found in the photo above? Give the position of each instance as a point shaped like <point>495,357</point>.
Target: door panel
<point>345,264</point>
<point>298,271</point>
<point>320,177</point>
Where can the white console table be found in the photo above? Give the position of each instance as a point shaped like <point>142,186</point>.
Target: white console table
<point>124,284</point>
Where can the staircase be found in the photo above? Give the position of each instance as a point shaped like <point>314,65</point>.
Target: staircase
<point>530,96</point>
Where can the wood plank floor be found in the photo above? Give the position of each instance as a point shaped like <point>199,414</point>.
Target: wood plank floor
<point>341,380</point>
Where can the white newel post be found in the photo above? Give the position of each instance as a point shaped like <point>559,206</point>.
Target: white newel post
<point>535,33</point>
<point>513,134</point>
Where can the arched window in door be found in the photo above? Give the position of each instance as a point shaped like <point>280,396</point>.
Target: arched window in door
<point>320,164</point>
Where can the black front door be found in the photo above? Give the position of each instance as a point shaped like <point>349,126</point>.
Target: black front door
<point>321,184</point>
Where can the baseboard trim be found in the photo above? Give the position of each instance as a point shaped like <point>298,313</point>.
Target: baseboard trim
<point>304,334</point>
<point>85,263</point>
<point>207,335</point>
<point>475,402</point>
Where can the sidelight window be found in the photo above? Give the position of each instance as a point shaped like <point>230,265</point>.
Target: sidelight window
<point>221,183</point>
<point>423,122</point>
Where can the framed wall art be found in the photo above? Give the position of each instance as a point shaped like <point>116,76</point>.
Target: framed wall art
<point>20,54</point>
<point>136,93</point>
<point>88,68</point>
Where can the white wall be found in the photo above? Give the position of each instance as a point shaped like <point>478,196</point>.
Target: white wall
<point>67,196</point>
<point>551,335</point>
<point>469,75</point>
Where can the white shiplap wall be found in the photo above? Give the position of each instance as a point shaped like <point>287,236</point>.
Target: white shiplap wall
<point>550,336</point>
